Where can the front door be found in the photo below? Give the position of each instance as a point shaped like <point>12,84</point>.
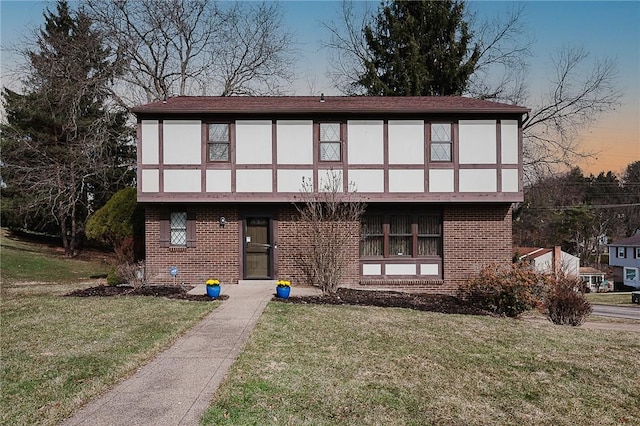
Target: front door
<point>258,248</point>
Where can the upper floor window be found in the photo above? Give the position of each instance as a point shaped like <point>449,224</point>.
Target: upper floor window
<point>330,142</point>
<point>401,235</point>
<point>178,228</point>
<point>441,142</point>
<point>218,143</point>
<point>621,252</point>
<point>637,252</point>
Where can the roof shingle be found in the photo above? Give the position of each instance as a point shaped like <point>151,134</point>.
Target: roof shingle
<point>331,104</point>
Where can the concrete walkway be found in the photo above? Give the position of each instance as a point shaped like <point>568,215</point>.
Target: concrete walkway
<point>176,387</point>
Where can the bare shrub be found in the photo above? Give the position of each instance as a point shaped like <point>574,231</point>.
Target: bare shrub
<point>135,274</point>
<point>507,290</point>
<point>565,304</point>
<point>329,216</point>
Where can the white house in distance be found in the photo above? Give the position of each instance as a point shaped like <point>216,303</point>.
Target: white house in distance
<point>550,260</point>
<point>624,256</point>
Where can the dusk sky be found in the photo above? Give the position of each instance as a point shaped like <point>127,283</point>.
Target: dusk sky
<point>605,29</point>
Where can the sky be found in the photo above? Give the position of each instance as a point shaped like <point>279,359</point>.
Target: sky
<point>606,29</point>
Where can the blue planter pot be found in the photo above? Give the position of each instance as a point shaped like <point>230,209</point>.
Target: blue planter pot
<point>213,291</point>
<point>283,292</point>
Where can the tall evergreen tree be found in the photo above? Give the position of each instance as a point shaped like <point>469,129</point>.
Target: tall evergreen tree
<point>65,148</point>
<point>419,48</point>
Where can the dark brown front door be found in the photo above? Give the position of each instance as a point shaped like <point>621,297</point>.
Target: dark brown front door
<point>258,248</point>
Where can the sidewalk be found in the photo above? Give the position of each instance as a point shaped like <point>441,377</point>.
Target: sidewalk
<point>176,387</point>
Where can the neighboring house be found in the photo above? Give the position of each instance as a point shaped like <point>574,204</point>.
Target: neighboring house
<point>595,279</point>
<point>550,260</point>
<point>218,175</point>
<point>624,256</point>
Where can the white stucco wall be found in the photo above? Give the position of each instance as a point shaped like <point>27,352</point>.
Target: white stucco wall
<point>182,180</point>
<point>406,141</point>
<point>182,142</point>
<point>254,181</point>
<point>366,142</point>
<point>253,142</point>
<point>367,180</point>
<point>441,180</point>
<point>509,141</point>
<point>477,141</point>
<point>218,180</point>
<point>478,180</point>
<point>295,141</point>
<point>150,141</point>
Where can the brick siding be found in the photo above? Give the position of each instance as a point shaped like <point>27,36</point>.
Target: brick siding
<point>474,236</point>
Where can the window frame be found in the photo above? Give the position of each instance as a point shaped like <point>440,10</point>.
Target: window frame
<point>415,235</point>
<point>211,142</point>
<point>637,252</point>
<point>439,142</point>
<point>165,240</point>
<point>175,229</point>
<point>340,142</point>
<point>635,271</point>
<point>621,252</point>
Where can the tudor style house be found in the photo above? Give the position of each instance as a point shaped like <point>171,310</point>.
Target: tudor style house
<point>218,177</point>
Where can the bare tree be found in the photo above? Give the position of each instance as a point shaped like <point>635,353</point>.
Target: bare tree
<point>189,47</point>
<point>330,219</point>
<point>578,95</point>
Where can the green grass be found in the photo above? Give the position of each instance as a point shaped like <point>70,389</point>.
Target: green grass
<point>59,352</point>
<point>24,261</point>
<point>338,365</point>
<point>609,299</point>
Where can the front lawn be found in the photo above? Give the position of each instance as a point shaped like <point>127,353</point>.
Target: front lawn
<point>610,298</point>
<point>316,365</point>
<point>59,352</point>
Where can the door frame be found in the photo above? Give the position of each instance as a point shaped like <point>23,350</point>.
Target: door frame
<point>270,240</point>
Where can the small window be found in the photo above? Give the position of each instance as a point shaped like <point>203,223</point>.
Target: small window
<point>637,252</point>
<point>621,252</point>
<point>429,236</point>
<point>440,142</point>
<point>330,142</point>
<point>178,227</point>
<point>218,142</point>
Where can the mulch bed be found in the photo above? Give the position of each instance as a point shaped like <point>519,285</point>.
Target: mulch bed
<point>344,296</point>
<point>170,292</point>
<point>392,299</point>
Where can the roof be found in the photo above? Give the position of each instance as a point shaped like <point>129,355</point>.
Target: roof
<point>631,241</point>
<point>587,270</point>
<point>531,252</point>
<point>331,104</point>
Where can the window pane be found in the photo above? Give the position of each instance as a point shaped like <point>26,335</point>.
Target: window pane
<point>440,151</point>
<point>400,225</point>
<point>179,228</point>
<point>330,151</point>
<point>630,274</point>
<point>400,246</point>
<point>218,152</point>
<point>372,237</point>
<point>441,132</point>
<point>428,246</point>
<point>428,225</point>
<point>329,132</point>
<point>218,132</point>
<point>371,246</point>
